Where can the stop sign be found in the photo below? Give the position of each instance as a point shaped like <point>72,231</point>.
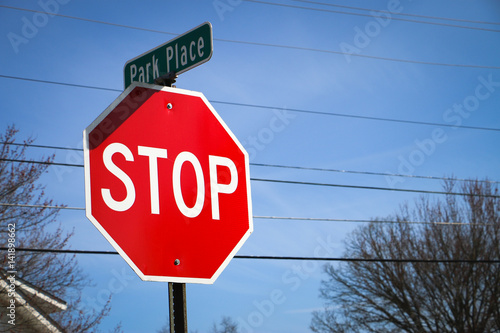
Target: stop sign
<point>167,183</point>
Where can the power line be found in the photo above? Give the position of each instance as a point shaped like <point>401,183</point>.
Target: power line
<point>296,7</point>
<point>300,48</point>
<point>413,122</point>
<point>320,219</point>
<point>269,44</point>
<point>59,83</point>
<point>293,182</point>
<point>304,183</point>
<point>369,15</point>
<point>399,14</point>
<point>289,167</point>
<point>371,173</point>
<point>385,260</point>
<point>41,162</point>
<point>257,257</point>
<point>62,251</point>
<point>90,20</point>
<point>315,219</point>
<point>38,146</point>
<point>41,206</point>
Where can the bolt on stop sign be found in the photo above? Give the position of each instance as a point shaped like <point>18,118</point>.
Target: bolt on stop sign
<point>167,183</point>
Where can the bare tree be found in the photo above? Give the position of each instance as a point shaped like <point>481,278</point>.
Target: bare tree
<point>453,286</point>
<point>24,208</point>
<point>227,325</point>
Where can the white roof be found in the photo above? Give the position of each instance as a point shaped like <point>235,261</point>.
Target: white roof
<point>32,304</point>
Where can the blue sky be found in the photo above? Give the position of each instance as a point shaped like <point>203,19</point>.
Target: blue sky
<point>267,295</point>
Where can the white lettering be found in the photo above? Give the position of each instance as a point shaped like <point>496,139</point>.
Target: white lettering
<point>153,154</point>
<point>183,56</point>
<point>192,56</point>
<point>170,56</point>
<point>156,72</point>
<point>194,211</point>
<point>215,187</point>
<point>148,65</point>
<point>107,157</point>
<point>201,45</point>
<point>223,179</point>
<point>176,57</point>
<point>133,72</point>
<point>141,74</point>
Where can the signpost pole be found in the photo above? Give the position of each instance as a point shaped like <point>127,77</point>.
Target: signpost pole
<point>176,291</point>
<point>177,306</point>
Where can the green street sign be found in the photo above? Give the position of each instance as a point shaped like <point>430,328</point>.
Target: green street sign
<point>173,57</point>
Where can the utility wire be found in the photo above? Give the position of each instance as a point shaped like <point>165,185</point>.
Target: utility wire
<point>59,83</point>
<point>413,122</point>
<point>252,164</point>
<point>399,14</point>
<point>301,182</point>
<point>471,261</point>
<point>41,162</point>
<point>386,260</point>
<point>41,206</point>
<point>89,20</point>
<point>386,174</point>
<point>269,44</point>
<point>371,187</point>
<point>277,166</point>
<point>39,146</point>
<point>370,173</point>
<point>295,7</point>
<point>369,15</point>
<point>290,218</point>
<point>301,48</point>
<point>320,219</point>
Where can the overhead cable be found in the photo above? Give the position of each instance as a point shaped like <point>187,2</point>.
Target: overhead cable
<point>41,162</point>
<point>270,44</point>
<point>373,221</point>
<point>370,15</point>
<point>358,116</point>
<point>370,173</point>
<point>89,20</point>
<point>301,48</point>
<point>414,122</point>
<point>290,218</point>
<point>293,182</point>
<point>260,257</point>
<point>398,13</point>
<point>59,83</point>
<point>40,206</point>
<point>39,146</point>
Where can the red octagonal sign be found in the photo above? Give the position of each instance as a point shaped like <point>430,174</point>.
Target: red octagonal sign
<point>167,184</point>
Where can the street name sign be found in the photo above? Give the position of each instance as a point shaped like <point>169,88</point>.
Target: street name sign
<point>176,56</point>
<point>167,184</point>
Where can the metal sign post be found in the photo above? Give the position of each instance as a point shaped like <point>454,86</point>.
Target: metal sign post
<point>177,307</point>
